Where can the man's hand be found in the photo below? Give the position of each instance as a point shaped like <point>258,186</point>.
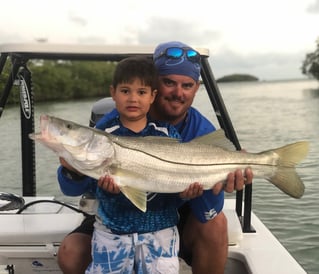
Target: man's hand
<point>193,191</point>
<point>235,181</point>
<point>108,184</point>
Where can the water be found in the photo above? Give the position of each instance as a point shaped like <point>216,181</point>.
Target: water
<point>265,115</point>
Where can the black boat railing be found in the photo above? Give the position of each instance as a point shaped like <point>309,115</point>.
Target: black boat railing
<point>226,124</point>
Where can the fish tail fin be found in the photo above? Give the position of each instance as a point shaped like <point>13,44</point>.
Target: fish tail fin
<point>137,197</point>
<point>292,154</point>
<point>286,177</point>
<point>287,180</point>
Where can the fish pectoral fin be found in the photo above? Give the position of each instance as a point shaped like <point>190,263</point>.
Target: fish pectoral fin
<point>137,197</point>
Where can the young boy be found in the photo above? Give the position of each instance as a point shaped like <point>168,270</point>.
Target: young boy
<point>125,238</point>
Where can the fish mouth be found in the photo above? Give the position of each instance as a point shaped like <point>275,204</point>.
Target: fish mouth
<point>44,118</point>
<point>44,122</point>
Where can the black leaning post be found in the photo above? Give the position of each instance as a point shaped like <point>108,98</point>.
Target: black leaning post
<point>27,127</point>
<point>247,227</point>
<point>226,124</point>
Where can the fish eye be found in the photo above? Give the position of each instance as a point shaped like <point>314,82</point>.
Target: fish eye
<point>68,126</point>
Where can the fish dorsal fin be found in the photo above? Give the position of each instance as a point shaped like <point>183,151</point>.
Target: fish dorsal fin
<point>216,138</point>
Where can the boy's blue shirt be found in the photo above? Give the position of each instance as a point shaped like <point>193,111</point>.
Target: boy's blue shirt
<point>204,207</point>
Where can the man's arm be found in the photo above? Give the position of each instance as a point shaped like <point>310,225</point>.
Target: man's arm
<point>211,202</point>
<point>72,182</point>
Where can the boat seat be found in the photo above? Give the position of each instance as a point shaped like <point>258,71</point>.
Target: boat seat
<point>46,223</point>
<point>39,224</point>
<point>37,229</point>
<point>99,108</point>
<point>52,228</point>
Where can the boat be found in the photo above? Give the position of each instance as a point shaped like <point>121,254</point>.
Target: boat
<point>32,227</point>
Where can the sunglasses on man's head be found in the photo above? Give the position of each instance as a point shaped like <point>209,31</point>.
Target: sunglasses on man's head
<point>176,53</point>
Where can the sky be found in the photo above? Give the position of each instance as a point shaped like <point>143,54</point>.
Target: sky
<point>265,38</point>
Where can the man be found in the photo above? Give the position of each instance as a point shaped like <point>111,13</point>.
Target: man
<point>203,226</point>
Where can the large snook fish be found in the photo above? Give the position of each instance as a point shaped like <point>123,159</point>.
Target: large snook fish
<point>161,164</point>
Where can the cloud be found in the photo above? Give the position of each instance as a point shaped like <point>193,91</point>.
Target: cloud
<point>223,59</point>
<point>160,29</point>
<point>240,40</point>
<point>76,19</point>
<point>265,66</point>
<point>98,40</point>
<point>314,7</point>
<point>10,37</point>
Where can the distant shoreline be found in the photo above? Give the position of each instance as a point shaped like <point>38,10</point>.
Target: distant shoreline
<point>237,78</point>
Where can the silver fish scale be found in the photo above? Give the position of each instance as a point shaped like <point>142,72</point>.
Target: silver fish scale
<point>143,171</point>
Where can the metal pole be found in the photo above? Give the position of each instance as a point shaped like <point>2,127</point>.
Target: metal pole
<point>27,127</point>
<point>226,124</point>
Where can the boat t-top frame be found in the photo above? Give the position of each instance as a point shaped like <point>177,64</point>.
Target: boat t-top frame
<point>20,54</point>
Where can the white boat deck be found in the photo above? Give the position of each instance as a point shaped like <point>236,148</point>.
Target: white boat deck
<point>30,241</point>
<point>261,252</point>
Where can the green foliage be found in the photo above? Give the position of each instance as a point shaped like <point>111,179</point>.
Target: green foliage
<point>310,65</point>
<point>4,75</point>
<point>64,80</point>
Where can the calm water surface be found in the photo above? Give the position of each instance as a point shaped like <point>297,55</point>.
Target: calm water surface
<point>265,115</point>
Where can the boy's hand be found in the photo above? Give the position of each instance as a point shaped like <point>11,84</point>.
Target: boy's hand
<point>193,191</point>
<point>108,184</point>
